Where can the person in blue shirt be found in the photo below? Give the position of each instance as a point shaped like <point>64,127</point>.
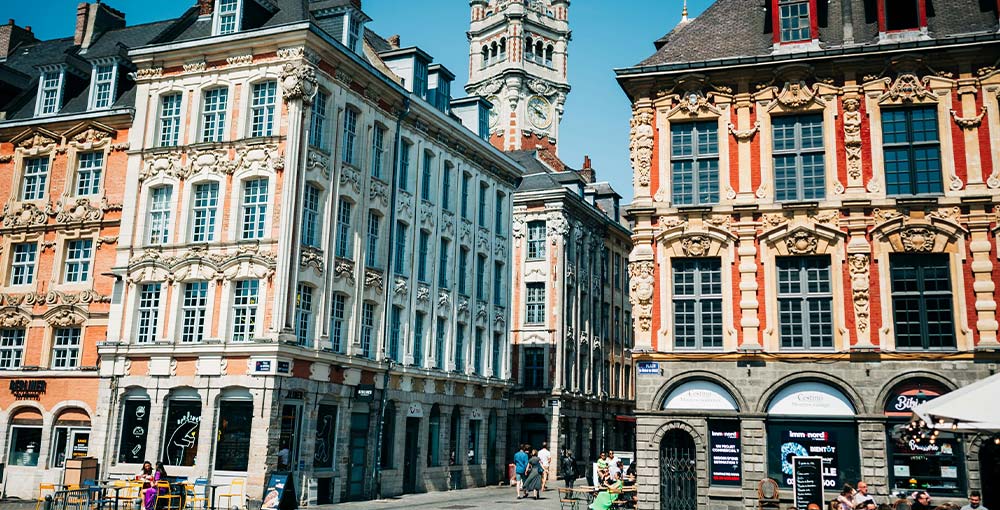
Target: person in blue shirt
<point>520,465</point>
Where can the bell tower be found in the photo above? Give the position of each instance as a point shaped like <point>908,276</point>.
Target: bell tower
<point>518,61</point>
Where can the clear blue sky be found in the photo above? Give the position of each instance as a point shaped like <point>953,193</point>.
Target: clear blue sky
<point>606,34</point>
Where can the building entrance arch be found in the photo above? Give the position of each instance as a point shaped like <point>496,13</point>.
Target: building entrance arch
<point>678,471</point>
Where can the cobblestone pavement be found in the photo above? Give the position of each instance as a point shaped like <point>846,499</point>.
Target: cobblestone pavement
<point>486,498</point>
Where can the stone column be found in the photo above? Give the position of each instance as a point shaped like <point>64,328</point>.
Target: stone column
<point>871,436</point>
<point>754,446</point>
<point>982,271</point>
<point>744,134</point>
<point>859,269</point>
<point>746,232</point>
<point>969,118</point>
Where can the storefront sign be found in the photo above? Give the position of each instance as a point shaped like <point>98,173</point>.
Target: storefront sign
<point>810,399</point>
<point>700,395</point>
<point>135,423</point>
<point>819,444</point>
<point>807,481</point>
<point>27,388</point>
<point>648,368</point>
<point>901,402</point>
<point>364,393</point>
<point>726,452</point>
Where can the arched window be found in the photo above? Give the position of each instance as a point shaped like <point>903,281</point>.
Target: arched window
<point>548,55</point>
<point>493,52</point>
<point>455,439</point>
<point>503,49</point>
<point>434,437</point>
<point>486,57</point>
<point>529,49</point>
<point>134,427</point>
<point>180,429</point>
<point>71,436</point>
<point>158,215</point>
<point>25,437</point>
<point>539,50</point>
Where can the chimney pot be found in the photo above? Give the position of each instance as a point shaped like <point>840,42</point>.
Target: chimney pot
<point>10,21</point>
<point>586,161</point>
<point>205,7</point>
<point>28,28</point>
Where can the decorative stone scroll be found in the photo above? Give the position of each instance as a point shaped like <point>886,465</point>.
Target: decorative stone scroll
<point>641,292</point>
<point>641,144</point>
<point>298,81</point>
<point>858,267</point>
<point>852,138</point>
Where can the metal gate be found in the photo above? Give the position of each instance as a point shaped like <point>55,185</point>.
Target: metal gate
<point>678,473</point>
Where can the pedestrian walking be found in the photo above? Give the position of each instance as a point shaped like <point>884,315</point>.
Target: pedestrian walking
<point>533,476</point>
<point>520,464</point>
<point>544,457</point>
<point>567,466</point>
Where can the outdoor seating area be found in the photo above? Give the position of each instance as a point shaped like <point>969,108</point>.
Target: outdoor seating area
<point>580,497</point>
<point>175,493</point>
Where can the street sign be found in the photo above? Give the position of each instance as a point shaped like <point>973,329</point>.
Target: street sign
<point>553,402</point>
<point>807,481</point>
<point>648,368</point>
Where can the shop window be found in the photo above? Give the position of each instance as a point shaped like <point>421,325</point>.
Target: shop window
<point>288,439</point>
<point>912,151</point>
<point>805,303</point>
<point>70,437</point>
<point>388,436</point>
<point>921,301</point>
<point>180,432</point>
<point>901,14</point>
<point>694,160</point>
<point>697,303</point>
<point>135,425</point>
<point>434,437</point>
<point>455,437</point>
<point>232,444</point>
<point>798,157</point>
<point>326,435</point>
<point>473,456</point>
<point>25,444</point>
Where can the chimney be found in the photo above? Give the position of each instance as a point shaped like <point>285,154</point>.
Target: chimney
<point>205,7</point>
<point>587,172</point>
<point>94,19</point>
<point>12,36</point>
<point>393,41</point>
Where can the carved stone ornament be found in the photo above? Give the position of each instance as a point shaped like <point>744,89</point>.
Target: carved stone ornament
<point>744,135</point>
<point>796,94</point>
<point>26,215</point>
<point>489,88</point>
<point>641,144</point>
<point>90,136</point>
<point>351,177</point>
<point>426,214</point>
<point>917,239</point>
<point>373,279</point>
<point>404,204</point>
<point>541,87</point>
<point>317,161</point>
<point>298,81</point>
<point>558,228</point>
<point>344,269</point>
<point>36,141</point>
<point>481,313</point>
<point>168,164</point>
<point>79,211</point>
<point>907,88</point>
<point>696,245</point>
<point>379,191</point>
<point>149,73</point>
<point>258,157</point>
<point>852,137</point>
<point>641,292</point>
<point>291,53</point>
<point>423,293</point>
<point>311,257</point>
<point>969,122</point>
<point>500,250</point>
<point>400,286</point>
<point>13,319</point>
<point>6,158</point>
<point>194,67</point>
<point>518,227</point>
<point>240,60</point>
<point>210,161</point>
<point>64,318</point>
<point>858,267</point>
<point>801,242</point>
<point>444,300</point>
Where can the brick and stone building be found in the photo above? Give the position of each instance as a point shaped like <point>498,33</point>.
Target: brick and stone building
<point>314,257</point>
<point>816,189</point>
<point>66,110</point>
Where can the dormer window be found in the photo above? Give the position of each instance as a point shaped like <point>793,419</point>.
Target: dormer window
<point>420,78</point>
<point>50,87</point>
<point>102,88</point>
<point>227,20</point>
<point>899,15</point>
<point>353,32</point>
<point>794,20</point>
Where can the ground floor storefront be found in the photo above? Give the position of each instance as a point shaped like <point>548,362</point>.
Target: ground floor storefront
<point>710,432</point>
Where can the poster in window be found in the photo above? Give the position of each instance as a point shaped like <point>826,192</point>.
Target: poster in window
<point>135,424</point>
<point>180,432</point>
<point>726,452</point>
<point>81,443</point>
<point>326,424</point>
<point>836,443</point>
<point>232,450</point>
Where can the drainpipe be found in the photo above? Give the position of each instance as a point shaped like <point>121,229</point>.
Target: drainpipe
<point>376,485</point>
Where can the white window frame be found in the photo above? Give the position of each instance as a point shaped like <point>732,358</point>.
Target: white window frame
<point>194,312</point>
<point>147,313</point>
<point>378,150</point>
<point>371,250</point>
<point>218,15</point>
<point>12,347</point>
<point>304,314</point>
<point>96,82</point>
<point>350,136</point>
<point>93,173</point>
<point>345,243</point>
<point>158,215</point>
<point>245,311</point>
<point>39,176</point>
<point>168,133</point>
<point>255,211</point>
<point>338,322</point>
<point>263,100</point>
<point>216,115</point>
<point>78,265</point>
<point>22,268</point>
<point>535,303</point>
<point>46,85</point>
<point>66,348</point>
<point>367,329</point>
<point>311,215</point>
<point>204,212</point>
<point>317,135</point>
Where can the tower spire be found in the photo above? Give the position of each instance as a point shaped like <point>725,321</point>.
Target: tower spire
<point>684,12</point>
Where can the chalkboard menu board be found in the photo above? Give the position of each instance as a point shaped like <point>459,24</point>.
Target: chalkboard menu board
<point>135,424</point>
<point>807,481</point>
<point>726,452</point>
<point>279,494</point>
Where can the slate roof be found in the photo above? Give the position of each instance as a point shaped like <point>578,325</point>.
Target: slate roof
<point>742,28</point>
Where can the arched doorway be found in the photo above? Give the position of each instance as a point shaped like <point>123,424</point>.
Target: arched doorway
<point>678,471</point>
<point>989,470</point>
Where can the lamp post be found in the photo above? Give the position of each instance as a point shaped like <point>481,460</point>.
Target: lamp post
<point>377,472</point>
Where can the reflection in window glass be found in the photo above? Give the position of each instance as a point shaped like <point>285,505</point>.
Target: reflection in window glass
<point>25,443</point>
<point>232,444</point>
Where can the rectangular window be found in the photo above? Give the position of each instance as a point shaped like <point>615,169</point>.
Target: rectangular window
<point>158,217</point>
<point>371,250</point>
<point>536,303</point>
<point>338,310</point>
<point>378,151</point>
<point>426,176</point>
<point>245,309</point>
<point>367,328</point>
<point>694,163</point>
<point>912,151</point>
<point>921,301</point>
<point>420,78</point>
<point>170,120</point>
<point>498,206</point>
<point>51,92</point>
<point>439,340</point>
<point>228,16</point>
<point>148,313</point>
<point>798,157</point>
<point>697,303</point>
<point>78,253</point>
<point>310,216</point>
<point>11,348</point>
<point>36,173</point>
<point>395,332</point>
<point>418,338</point>
<point>481,277</point>
<point>254,208</point>
<point>180,432</point>
<point>232,438</point>
<point>344,238</point>
<point>104,83</point>
<point>22,264</point>
<point>422,254</point>
<point>446,187</point>
<point>805,303</point>
<point>536,239</point>
<point>88,173</point>
<point>474,458</point>
<point>403,179</point>
<point>618,271</point>
<point>497,353</point>
<point>498,286</point>
<point>483,189</point>
<point>204,207</point>
<point>443,264</point>
<point>193,311</point>
<point>303,314</point>
<point>463,269</point>
<point>213,114</point>
<point>24,446</point>
<point>317,123</point>
<point>534,368</point>
<point>66,348</point>
<point>460,348</point>
<point>466,179</point>
<point>477,360</point>
<point>353,33</point>
<point>262,108</point>
<point>399,258</point>
<point>350,135</point>
<point>794,16</point>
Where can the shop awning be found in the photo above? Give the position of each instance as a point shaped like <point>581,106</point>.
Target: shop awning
<point>625,417</point>
<point>966,409</point>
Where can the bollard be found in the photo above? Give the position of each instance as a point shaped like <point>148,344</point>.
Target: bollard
<point>48,502</point>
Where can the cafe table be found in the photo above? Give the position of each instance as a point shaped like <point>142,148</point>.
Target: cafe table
<point>214,487</point>
<point>105,486</point>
